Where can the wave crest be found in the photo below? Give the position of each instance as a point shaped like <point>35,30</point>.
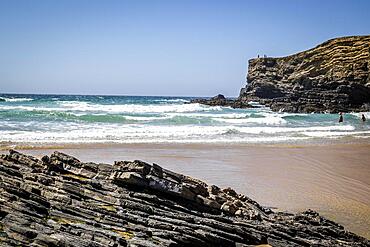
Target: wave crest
<point>15,99</point>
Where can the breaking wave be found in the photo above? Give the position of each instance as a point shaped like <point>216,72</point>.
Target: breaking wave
<point>125,119</point>
<point>15,99</point>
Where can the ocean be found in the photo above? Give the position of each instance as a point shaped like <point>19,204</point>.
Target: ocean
<point>77,119</point>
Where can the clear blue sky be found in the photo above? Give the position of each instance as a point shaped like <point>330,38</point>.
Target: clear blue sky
<point>195,48</point>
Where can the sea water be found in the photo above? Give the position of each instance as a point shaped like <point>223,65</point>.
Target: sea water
<point>71,119</point>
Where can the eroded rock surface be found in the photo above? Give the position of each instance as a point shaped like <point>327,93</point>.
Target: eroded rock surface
<point>221,100</point>
<point>60,201</point>
<point>331,77</point>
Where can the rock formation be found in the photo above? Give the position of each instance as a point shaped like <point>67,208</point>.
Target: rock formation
<point>331,77</point>
<point>220,100</point>
<point>60,201</point>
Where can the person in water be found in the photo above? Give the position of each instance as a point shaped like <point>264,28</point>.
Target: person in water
<point>363,118</point>
<point>340,118</point>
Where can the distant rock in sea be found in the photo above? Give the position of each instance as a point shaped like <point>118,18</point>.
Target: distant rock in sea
<point>331,77</point>
<point>221,100</point>
<point>61,201</point>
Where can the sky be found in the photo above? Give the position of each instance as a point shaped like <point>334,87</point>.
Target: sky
<point>179,48</point>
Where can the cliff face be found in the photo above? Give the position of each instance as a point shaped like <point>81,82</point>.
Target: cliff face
<point>332,77</point>
<point>60,201</point>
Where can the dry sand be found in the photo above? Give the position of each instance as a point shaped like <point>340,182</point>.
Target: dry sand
<point>332,179</point>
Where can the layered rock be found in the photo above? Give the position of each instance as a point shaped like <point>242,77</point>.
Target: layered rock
<point>221,100</point>
<point>331,77</point>
<point>60,201</point>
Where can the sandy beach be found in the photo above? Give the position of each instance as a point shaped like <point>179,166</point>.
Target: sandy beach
<point>332,179</point>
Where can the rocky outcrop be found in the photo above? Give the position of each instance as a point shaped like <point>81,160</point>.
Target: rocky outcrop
<point>60,201</point>
<point>220,100</point>
<point>331,77</point>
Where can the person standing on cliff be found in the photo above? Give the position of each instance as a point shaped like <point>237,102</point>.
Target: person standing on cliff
<point>340,118</point>
<point>363,118</point>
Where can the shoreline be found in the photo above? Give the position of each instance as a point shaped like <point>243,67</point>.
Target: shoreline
<point>343,141</point>
<point>332,179</point>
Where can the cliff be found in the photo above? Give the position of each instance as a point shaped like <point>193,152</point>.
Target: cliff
<point>331,77</point>
<point>61,201</point>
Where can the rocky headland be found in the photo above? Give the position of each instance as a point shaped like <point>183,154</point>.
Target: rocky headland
<point>332,77</point>
<point>61,201</point>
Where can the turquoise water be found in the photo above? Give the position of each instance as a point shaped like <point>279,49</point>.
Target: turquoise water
<point>63,119</point>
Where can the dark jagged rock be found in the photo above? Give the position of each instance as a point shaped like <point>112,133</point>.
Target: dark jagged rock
<point>331,77</point>
<point>220,100</point>
<point>60,201</point>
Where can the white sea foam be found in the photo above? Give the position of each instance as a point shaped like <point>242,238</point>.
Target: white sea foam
<point>337,134</point>
<point>115,109</point>
<point>172,100</point>
<point>274,130</point>
<point>31,108</point>
<point>78,136</point>
<point>358,114</point>
<point>15,99</point>
<point>185,133</point>
<point>143,118</point>
<point>136,108</point>
<point>269,120</point>
<point>215,114</point>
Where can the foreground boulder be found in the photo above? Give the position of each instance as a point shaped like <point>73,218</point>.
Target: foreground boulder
<point>60,201</point>
<point>332,77</point>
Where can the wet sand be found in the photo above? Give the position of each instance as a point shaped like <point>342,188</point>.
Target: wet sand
<point>332,179</point>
